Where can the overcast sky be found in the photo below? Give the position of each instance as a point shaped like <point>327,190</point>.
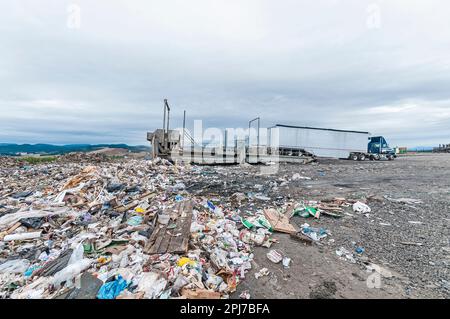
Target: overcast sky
<point>97,71</point>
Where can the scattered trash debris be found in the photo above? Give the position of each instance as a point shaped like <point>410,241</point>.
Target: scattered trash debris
<point>409,201</point>
<point>286,262</point>
<point>361,208</point>
<point>315,234</point>
<point>385,224</point>
<point>306,211</point>
<point>21,194</point>
<point>147,229</point>
<point>274,256</point>
<point>297,177</point>
<point>135,220</point>
<point>245,295</point>
<point>278,221</point>
<point>262,197</point>
<point>345,254</point>
<point>411,243</point>
<point>262,272</point>
<point>16,266</point>
<point>301,237</point>
<point>124,236</point>
<point>22,236</point>
<point>112,289</point>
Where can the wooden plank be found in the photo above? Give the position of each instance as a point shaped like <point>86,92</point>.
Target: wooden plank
<point>301,237</point>
<point>161,234</point>
<point>199,294</point>
<point>279,222</point>
<point>134,203</point>
<point>169,233</point>
<point>179,244</point>
<point>156,233</point>
<point>164,240</point>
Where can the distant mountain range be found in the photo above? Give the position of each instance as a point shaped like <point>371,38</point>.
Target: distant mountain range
<point>49,149</point>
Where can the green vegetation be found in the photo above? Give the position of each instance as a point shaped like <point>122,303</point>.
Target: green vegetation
<point>37,159</point>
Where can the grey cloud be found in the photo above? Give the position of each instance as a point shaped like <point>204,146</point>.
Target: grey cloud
<point>225,62</point>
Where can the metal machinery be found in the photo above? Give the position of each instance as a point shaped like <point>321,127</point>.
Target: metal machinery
<point>164,141</point>
<point>444,148</point>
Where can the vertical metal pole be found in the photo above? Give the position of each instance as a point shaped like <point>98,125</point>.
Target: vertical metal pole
<point>249,125</point>
<point>164,124</point>
<point>168,117</point>
<point>257,146</point>
<point>257,137</point>
<point>226,138</point>
<point>184,126</point>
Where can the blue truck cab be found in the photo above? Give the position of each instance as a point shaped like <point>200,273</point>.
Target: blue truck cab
<point>378,148</point>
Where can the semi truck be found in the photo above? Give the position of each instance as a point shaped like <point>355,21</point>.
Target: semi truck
<point>378,148</point>
<point>334,143</point>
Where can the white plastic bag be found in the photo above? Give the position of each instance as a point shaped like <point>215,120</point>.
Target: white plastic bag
<point>22,236</point>
<point>152,284</point>
<point>71,271</point>
<point>361,208</point>
<point>77,254</point>
<point>15,266</point>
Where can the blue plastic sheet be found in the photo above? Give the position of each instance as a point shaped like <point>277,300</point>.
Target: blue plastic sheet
<point>211,206</point>
<point>112,289</point>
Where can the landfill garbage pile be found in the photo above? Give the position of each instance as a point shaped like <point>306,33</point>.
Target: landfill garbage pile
<point>87,226</point>
<point>78,228</point>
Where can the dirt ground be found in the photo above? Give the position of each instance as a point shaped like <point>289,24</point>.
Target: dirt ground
<point>409,241</point>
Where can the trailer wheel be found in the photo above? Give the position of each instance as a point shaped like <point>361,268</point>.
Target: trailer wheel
<point>362,157</point>
<point>354,157</point>
<point>390,157</point>
<point>371,157</point>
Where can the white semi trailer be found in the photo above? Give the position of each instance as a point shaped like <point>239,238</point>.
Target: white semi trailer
<point>320,142</point>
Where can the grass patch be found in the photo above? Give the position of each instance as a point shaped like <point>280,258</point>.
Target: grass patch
<point>37,160</point>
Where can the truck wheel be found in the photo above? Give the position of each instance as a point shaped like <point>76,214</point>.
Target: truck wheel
<point>377,157</point>
<point>390,157</point>
<point>354,157</point>
<point>362,157</point>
